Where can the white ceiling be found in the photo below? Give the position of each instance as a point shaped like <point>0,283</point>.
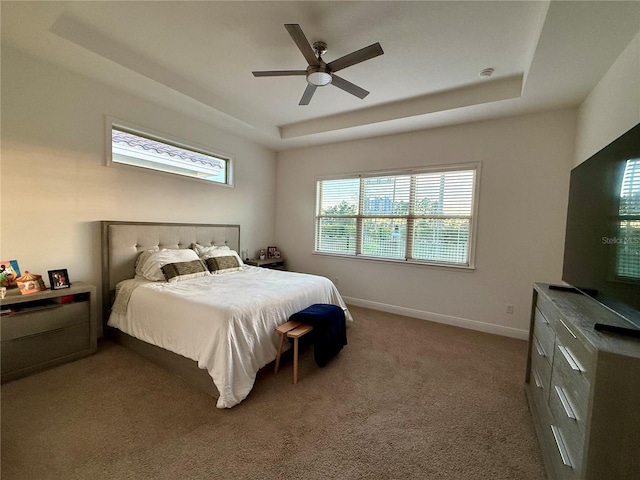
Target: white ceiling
<point>197,57</point>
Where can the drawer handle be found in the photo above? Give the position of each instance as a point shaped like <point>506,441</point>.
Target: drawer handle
<point>569,358</point>
<point>566,404</point>
<point>568,329</point>
<point>564,455</point>
<point>543,319</point>
<point>536,378</point>
<point>26,337</point>
<point>539,348</point>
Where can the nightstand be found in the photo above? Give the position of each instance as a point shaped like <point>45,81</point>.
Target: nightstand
<point>47,328</point>
<point>274,263</point>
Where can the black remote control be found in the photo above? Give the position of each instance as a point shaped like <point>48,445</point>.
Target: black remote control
<point>603,327</point>
<point>563,288</point>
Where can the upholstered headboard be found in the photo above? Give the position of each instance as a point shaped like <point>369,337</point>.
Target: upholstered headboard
<point>123,241</point>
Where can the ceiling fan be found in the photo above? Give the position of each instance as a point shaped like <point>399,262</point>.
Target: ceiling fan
<point>318,72</point>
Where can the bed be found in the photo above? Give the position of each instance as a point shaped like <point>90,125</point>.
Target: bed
<point>215,331</point>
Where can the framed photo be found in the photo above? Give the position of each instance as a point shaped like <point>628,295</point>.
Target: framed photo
<point>271,252</point>
<point>59,279</point>
<point>9,272</point>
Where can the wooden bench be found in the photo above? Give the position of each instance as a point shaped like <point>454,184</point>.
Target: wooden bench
<point>295,330</point>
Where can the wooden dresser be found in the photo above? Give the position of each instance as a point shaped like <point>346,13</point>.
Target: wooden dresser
<point>47,328</point>
<point>583,389</point>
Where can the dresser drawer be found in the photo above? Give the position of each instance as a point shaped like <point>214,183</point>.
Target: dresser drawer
<point>574,383</point>
<point>566,332</point>
<point>24,352</point>
<point>540,368</point>
<point>544,333</point>
<point>561,460</point>
<point>573,430</point>
<point>574,350</point>
<point>39,321</point>
<point>546,308</point>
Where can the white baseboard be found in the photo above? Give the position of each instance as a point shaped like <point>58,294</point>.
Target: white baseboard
<point>439,318</point>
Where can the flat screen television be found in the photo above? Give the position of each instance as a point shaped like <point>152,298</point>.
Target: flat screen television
<point>602,245</point>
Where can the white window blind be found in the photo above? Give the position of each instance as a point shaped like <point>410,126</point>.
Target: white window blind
<point>422,217</point>
<point>628,264</point>
<point>337,207</point>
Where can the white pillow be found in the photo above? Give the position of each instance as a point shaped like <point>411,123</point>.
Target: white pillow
<point>142,258</point>
<point>151,266</point>
<point>223,252</point>
<point>202,251</point>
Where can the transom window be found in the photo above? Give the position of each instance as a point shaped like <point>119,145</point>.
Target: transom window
<point>425,216</point>
<point>130,147</point>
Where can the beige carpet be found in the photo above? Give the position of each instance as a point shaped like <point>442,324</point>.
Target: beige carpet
<point>406,399</point>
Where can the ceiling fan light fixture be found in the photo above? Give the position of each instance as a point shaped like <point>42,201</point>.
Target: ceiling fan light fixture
<point>318,76</point>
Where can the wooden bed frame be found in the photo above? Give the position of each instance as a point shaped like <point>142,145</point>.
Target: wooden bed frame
<point>122,242</point>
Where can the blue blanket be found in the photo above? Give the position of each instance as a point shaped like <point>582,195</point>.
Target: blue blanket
<point>329,330</point>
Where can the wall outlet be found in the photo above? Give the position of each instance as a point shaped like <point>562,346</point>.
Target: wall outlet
<point>509,308</point>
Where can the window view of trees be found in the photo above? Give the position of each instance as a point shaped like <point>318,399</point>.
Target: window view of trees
<point>418,217</point>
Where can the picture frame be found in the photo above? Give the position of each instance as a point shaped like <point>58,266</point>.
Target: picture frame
<point>9,272</point>
<point>271,252</point>
<point>59,279</point>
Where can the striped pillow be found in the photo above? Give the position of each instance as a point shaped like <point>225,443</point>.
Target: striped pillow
<point>175,272</point>
<point>225,264</point>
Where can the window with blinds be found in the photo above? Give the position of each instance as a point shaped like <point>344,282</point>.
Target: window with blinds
<point>628,259</point>
<point>420,216</point>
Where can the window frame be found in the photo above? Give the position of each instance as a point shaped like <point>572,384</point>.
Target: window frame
<point>360,217</point>
<point>112,123</point>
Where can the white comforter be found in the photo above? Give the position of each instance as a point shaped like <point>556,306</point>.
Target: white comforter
<point>224,322</point>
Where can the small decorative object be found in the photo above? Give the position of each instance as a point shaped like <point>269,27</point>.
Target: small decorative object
<point>271,252</point>
<point>59,279</point>
<point>262,255</point>
<point>3,291</point>
<point>30,283</point>
<point>9,272</point>
<point>276,254</point>
<point>67,298</point>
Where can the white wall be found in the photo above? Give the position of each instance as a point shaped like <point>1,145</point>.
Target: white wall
<point>523,196</point>
<point>56,187</point>
<point>612,107</point>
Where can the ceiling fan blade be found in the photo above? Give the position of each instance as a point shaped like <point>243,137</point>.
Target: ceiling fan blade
<point>348,87</point>
<point>303,44</point>
<point>279,73</point>
<point>308,93</point>
<point>358,56</point>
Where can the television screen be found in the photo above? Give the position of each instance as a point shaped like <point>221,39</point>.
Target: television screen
<point>602,245</point>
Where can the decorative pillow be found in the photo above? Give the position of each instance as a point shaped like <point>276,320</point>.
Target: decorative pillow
<point>142,258</point>
<point>223,253</point>
<point>178,271</point>
<point>218,265</point>
<point>151,269</point>
<point>203,251</point>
